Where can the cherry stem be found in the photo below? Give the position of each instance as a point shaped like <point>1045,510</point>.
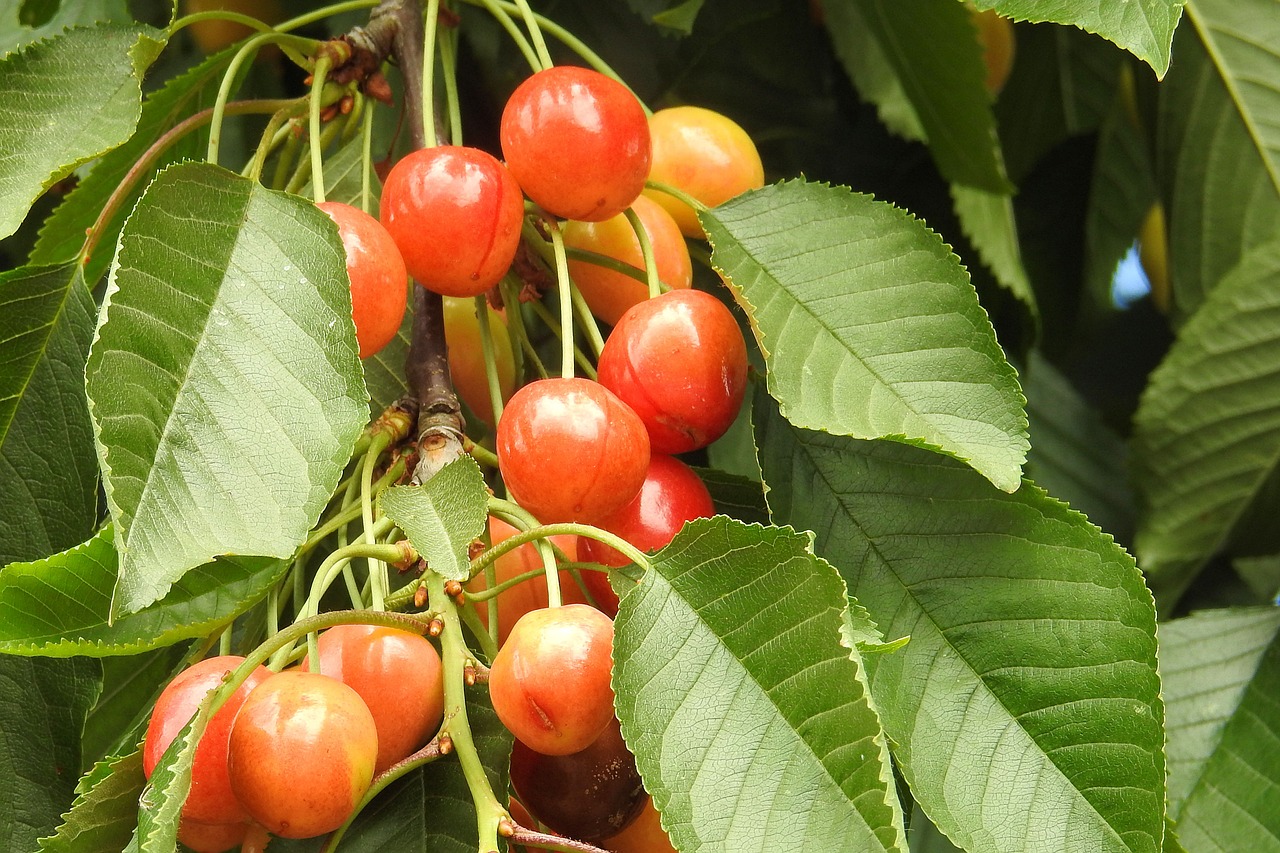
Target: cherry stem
<point>318,76</point>
<point>426,755</point>
<point>503,17</point>
<point>531,838</point>
<point>377,569</point>
<point>449,71</point>
<point>427,100</point>
<point>678,194</point>
<point>587,322</point>
<point>522,519</point>
<point>272,136</point>
<point>551,323</point>
<point>563,284</point>
<point>366,162</point>
<point>350,512</point>
<point>562,528</point>
<point>454,655</point>
<point>490,357</point>
<point>533,574</point>
<point>535,32</point>
<point>249,48</point>
<point>646,251</point>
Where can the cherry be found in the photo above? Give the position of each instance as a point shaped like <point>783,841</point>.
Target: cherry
<point>590,795</point>
<point>550,681</point>
<point>466,355</point>
<point>532,594</point>
<point>680,361</point>
<point>995,35</point>
<point>379,282</point>
<point>302,753</point>
<point>397,674</point>
<point>570,450</point>
<point>577,142</point>
<point>610,293</point>
<point>644,835</point>
<point>455,213</point>
<point>703,153</point>
<point>211,837</point>
<point>210,800</point>
<point>671,495</point>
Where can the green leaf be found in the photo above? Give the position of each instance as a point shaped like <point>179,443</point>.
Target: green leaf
<point>17,30</point>
<point>1123,190</point>
<point>1219,180</point>
<point>63,234</point>
<point>749,720</point>
<point>1207,430</point>
<point>160,803</point>
<point>105,812</point>
<point>872,74</point>
<point>932,46</point>
<point>988,221</point>
<point>48,471</point>
<point>1222,676</point>
<point>224,382</point>
<point>443,516</point>
<point>130,686</point>
<point>430,810</point>
<point>1144,28</point>
<point>734,495</point>
<point>61,606</point>
<point>43,704</point>
<point>1025,712</point>
<point>64,101</point>
<point>1074,455</point>
<point>869,324</point>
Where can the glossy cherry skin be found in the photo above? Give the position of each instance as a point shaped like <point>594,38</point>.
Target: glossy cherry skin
<point>210,799</point>
<point>590,795</point>
<point>211,837</point>
<point>466,355</point>
<point>644,835</point>
<point>455,213</point>
<point>302,753</point>
<point>705,154</point>
<point>550,681</point>
<point>570,450</point>
<point>577,142</point>
<point>671,495</point>
<point>680,362</point>
<point>609,293</point>
<point>379,282</point>
<point>399,677</point>
<point>532,594</point>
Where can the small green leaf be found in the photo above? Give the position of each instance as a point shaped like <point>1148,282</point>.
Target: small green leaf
<point>1025,712</point>
<point>48,472</point>
<point>750,721</point>
<point>1207,430</point>
<point>1144,27</point>
<point>224,382</point>
<point>987,219</point>
<point>43,704</point>
<point>61,606</point>
<point>105,811</point>
<point>1221,677</point>
<point>160,803</point>
<point>869,324</point>
<point>443,516</point>
<point>64,101</point>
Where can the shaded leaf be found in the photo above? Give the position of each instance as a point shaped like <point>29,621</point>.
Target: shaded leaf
<point>1207,430</point>
<point>105,811</point>
<point>869,324</point>
<point>749,719</point>
<point>1144,28</point>
<point>43,704</point>
<point>224,382</point>
<point>737,496</point>
<point>443,516</point>
<point>17,28</point>
<point>48,472</point>
<point>61,606</point>
<point>130,686</point>
<point>63,101</point>
<point>988,222</point>
<point>1222,676</point>
<point>1025,711</point>
<point>869,68</point>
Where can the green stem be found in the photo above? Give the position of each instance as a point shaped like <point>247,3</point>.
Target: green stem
<point>303,171</point>
<point>449,70</point>
<point>490,359</point>
<point>426,755</point>
<point>563,528</point>
<point>545,315</point>
<point>566,301</point>
<point>646,251</point>
<point>366,162</point>
<point>587,322</point>
<point>377,569</point>
<point>454,656</point>
<point>218,15</point>
<point>483,455</point>
<point>488,637</point>
<point>502,16</point>
<point>535,32</point>
<point>273,136</point>
<point>228,80</point>
<point>521,519</point>
<point>428,74</point>
<point>352,512</point>
<point>678,194</point>
<point>326,12</point>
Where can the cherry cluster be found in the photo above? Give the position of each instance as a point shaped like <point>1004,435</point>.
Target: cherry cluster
<point>294,752</point>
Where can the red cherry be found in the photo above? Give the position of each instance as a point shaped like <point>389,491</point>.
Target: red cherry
<point>210,800</point>
<point>397,674</point>
<point>577,142</point>
<point>570,450</point>
<point>679,360</point>
<point>589,795</point>
<point>671,495</point>
<point>379,283</point>
<point>532,594</point>
<point>704,153</point>
<point>550,681</point>
<point>609,293</point>
<point>211,837</point>
<point>455,213</point>
<point>302,753</point>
